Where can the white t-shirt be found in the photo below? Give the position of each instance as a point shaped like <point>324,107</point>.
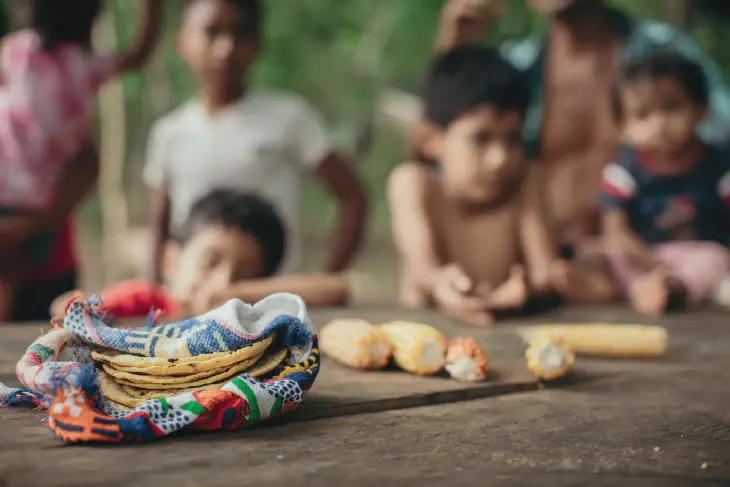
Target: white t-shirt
<point>261,144</point>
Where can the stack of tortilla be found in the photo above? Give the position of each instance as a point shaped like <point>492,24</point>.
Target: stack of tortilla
<point>130,380</point>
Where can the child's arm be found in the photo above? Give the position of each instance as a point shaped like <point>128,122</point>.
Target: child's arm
<point>465,22</point>
<point>620,238</point>
<point>618,188</point>
<point>344,184</point>
<point>446,284</point>
<point>537,241</point>
<point>310,141</point>
<point>317,290</point>
<point>135,57</point>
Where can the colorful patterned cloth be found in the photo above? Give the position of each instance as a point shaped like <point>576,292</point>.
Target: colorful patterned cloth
<point>58,372</point>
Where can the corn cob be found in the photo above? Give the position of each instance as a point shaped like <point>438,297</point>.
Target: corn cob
<point>466,360</point>
<point>417,348</point>
<point>355,343</point>
<point>549,357</point>
<point>607,340</point>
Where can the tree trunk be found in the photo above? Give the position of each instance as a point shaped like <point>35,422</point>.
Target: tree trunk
<point>112,150</point>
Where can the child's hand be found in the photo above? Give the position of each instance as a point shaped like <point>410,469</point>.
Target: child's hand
<point>638,254</point>
<point>464,22</point>
<point>453,294</point>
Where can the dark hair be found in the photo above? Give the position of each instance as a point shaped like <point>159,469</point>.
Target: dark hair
<point>688,74</point>
<point>64,22</point>
<point>252,10</point>
<point>467,77</point>
<point>246,213</point>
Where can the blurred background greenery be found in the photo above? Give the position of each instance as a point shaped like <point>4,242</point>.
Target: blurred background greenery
<point>344,56</point>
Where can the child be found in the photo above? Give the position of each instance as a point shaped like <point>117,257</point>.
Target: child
<point>49,77</point>
<point>666,199</point>
<point>462,230</point>
<point>231,136</point>
<point>231,247</point>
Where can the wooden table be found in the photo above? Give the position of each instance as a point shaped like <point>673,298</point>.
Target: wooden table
<point>629,423</point>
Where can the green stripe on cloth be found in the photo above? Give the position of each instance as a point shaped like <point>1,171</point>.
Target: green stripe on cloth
<point>220,341</point>
<point>194,407</point>
<point>277,405</point>
<point>165,405</point>
<point>41,351</point>
<point>253,403</point>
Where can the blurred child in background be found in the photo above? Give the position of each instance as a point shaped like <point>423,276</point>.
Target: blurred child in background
<point>49,78</point>
<point>231,136</point>
<point>666,199</point>
<point>464,228</point>
<point>231,246</point>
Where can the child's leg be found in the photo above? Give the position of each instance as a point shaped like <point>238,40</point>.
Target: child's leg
<point>698,267</point>
<point>6,300</point>
<point>649,293</point>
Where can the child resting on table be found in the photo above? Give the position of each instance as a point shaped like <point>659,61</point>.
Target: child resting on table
<point>231,246</point>
<point>462,228</point>
<point>666,199</point>
<point>232,136</point>
<point>49,78</point>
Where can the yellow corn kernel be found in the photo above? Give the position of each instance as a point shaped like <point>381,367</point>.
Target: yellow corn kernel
<point>607,340</point>
<point>355,343</point>
<point>417,348</point>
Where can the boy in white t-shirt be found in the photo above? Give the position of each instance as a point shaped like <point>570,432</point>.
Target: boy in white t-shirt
<point>231,137</point>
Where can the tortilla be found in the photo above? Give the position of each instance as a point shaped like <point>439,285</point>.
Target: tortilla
<point>148,394</point>
<point>179,379</point>
<point>158,366</point>
<point>114,392</point>
<point>263,364</point>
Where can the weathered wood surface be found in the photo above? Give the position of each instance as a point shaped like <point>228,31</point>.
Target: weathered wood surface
<point>624,423</point>
<point>340,391</point>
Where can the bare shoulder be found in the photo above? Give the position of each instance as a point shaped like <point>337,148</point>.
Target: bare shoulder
<point>409,182</point>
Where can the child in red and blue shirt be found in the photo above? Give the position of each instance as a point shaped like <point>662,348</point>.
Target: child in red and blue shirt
<point>666,200</point>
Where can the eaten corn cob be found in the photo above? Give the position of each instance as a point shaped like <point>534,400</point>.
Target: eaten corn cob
<point>466,360</point>
<point>355,343</point>
<point>606,340</point>
<point>549,357</point>
<point>417,348</point>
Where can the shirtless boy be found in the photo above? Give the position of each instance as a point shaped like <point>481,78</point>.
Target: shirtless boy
<point>569,127</point>
<point>475,103</point>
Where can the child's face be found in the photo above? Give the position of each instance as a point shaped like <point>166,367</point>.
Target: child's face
<point>482,155</point>
<point>218,43</point>
<point>210,261</point>
<point>658,116</point>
